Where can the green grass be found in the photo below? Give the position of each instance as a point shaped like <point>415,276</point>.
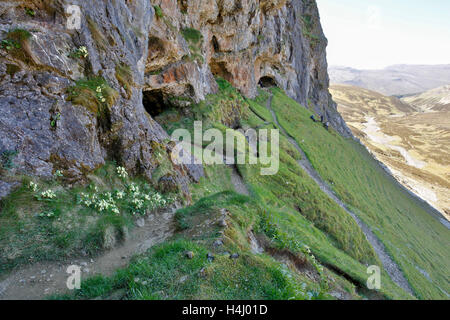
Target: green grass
<point>194,38</point>
<point>16,43</point>
<point>298,208</point>
<point>124,75</point>
<point>158,11</point>
<point>94,94</point>
<point>288,209</point>
<point>192,35</point>
<point>34,228</point>
<point>165,273</point>
<point>414,239</point>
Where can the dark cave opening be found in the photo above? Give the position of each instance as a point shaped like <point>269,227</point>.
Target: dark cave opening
<point>267,82</point>
<point>154,102</point>
<point>215,44</point>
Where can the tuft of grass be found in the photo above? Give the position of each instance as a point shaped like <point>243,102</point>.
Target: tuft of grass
<point>7,159</point>
<point>94,94</point>
<point>158,11</point>
<point>97,35</point>
<point>124,75</point>
<point>195,40</point>
<point>30,12</point>
<point>192,35</point>
<point>16,43</point>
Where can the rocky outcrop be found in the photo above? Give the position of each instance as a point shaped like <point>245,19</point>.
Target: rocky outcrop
<point>148,56</point>
<point>242,42</point>
<point>45,130</point>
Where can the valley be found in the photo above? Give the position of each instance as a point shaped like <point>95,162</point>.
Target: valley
<point>410,136</point>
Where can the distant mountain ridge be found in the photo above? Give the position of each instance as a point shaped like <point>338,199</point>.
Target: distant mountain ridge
<point>437,99</point>
<point>394,80</point>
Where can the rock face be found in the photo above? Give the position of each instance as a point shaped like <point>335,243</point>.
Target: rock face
<point>151,56</point>
<point>279,42</point>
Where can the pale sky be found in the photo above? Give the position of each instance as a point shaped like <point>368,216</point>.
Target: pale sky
<point>373,34</point>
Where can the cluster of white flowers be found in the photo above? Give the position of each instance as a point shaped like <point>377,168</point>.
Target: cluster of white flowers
<point>134,199</point>
<point>138,203</point>
<point>134,189</point>
<point>122,172</point>
<point>33,186</point>
<point>158,200</point>
<point>102,203</point>
<point>48,194</point>
<point>105,205</point>
<point>307,251</point>
<point>147,200</point>
<point>137,199</point>
<point>99,92</point>
<point>120,195</point>
<point>82,52</point>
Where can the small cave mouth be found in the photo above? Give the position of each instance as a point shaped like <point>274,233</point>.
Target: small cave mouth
<point>215,44</point>
<point>155,103</point>
<point>267,82</point>
<point>219,69</point>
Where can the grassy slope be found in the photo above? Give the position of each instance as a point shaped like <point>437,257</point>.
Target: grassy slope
<point>26,237</point>
<point>272,210</point>
<point>416,241</point>
<point>165,273</point>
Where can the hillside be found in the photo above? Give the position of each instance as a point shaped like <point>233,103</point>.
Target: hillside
<point>394,80</point>
<point>411,139</point>
<point>437,99</point>
<point>91,177</point>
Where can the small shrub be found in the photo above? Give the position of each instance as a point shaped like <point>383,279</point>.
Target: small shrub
<point>54,120</point>
<point>10,44</point>
<point>30,12</point>
<point>158,11</point>
<point>15,39</point>
<point>192,35</point>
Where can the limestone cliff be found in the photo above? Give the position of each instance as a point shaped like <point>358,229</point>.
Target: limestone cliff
<point>142,56</point>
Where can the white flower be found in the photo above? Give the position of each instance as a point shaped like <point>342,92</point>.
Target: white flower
<point>49,194</point>
<point>121,171</point>
<point>120,195</point>
<point>33,186</point>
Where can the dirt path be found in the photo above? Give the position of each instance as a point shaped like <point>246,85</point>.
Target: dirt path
<point>389,265</point>
<point>238,182</point>
<point>37,281</point>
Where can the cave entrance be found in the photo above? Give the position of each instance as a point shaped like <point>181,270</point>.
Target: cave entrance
<point>219,69</point>
<point>154,102</point>
<point>215,44</point>
<point>267,82</point>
